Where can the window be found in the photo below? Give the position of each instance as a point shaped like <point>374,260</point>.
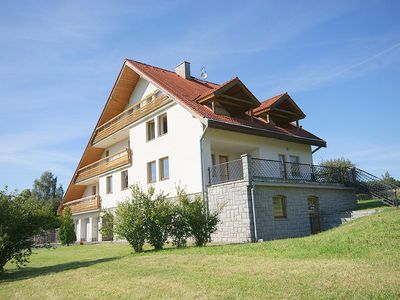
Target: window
<point>94,190</point>
<point>109,186</point>
<point>279,206</point>
<point>295,165</point>
<point>164,168</point>
<point>124,180</point>
<point>151,172</point>
<point>150,130</point>
<point>162,124</point>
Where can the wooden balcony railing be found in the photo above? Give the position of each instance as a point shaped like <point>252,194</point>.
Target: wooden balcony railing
<point>105,164</point>
<point>84,204</point>
<point>131,114</point>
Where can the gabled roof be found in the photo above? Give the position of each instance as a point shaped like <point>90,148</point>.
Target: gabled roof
<point>281,106</point>
<point>188,92</point>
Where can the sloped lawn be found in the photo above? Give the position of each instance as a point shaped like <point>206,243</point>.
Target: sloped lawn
<point>358,260</point>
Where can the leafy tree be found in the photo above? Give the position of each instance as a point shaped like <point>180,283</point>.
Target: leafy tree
<point>67,232</point>
<point>107,225</point>
<point>46,189</point>
<point>388,179</point>
<point>21,217</point>
<point>130,219</point>
<point>338,163</point>
<point>202,223</point>
<point>180,228</point>
<point>158,219</point>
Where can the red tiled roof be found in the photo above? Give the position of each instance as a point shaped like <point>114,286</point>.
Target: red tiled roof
<point>188,91</point>
<point>267,103</point>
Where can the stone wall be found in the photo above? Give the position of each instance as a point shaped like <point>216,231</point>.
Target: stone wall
<point>232,199</point>
<point>332,200</point>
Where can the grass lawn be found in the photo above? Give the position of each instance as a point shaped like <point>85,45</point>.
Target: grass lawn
<point>360,259</point>
<point>370,203</point>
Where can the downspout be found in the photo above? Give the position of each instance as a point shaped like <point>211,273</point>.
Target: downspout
<point>203,184</point>
<point>254,212</point>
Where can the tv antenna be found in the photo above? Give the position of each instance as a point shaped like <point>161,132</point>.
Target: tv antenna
<point>203,73</point>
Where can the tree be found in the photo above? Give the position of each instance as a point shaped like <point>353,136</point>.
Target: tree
<point>338,163</point>
<point>67,232</point>
<point>202,223</point>
<point>130,219</point>
<point>21,217</point>
<point>46,189</point>
<point>388,179</point>
<point>107,225</point>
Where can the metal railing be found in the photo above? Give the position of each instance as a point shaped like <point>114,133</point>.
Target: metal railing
<point>229,171</point>
<point>266,169</point>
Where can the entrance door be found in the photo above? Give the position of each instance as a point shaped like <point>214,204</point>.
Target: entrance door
<point>313,213</point>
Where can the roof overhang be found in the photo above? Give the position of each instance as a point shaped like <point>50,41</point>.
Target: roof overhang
<point>232,94</point>
<point>265,132</point>
<point>284,108</point>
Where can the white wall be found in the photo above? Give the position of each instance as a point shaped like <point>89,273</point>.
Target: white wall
<point>181,144</point>
<point>142,89</point>
<point>232,143</point>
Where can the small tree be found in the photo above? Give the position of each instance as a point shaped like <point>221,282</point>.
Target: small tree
<point>107,225</point>
<point>130,219</point>
<point>158,219</point>
<point>201,222</point>
<point>21,217</point>
<point>180,228</point>
<point>338,163</point>
<point>67,234</point>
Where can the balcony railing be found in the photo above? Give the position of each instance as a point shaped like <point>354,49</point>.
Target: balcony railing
<point>131,114</point>
<point>229,171</point>
<point>105,164</point>
<point>84,204</point>
<point>275,170</point>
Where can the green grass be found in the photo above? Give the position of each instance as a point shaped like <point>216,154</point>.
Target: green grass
<point>368,204</point>
<point>358,260</point>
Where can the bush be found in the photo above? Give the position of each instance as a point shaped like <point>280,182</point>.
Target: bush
<point>158,219</point>
<point>130,219</point>
<point>107,226</point>
<point>201,222</point>
<point>21,217</point>
<point>147,217</point>
<point>67,232</point>
<point>179,228</point>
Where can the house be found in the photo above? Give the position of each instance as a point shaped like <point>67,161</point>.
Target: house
<point>251,159</point>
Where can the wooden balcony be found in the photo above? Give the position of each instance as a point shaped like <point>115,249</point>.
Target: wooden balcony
<point>130,115</point>
<point>84,204</point>
<point>105,164</point>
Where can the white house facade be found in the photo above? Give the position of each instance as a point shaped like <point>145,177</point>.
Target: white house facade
<point>168,129</point>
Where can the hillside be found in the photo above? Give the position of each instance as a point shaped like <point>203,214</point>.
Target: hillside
<point>360,259</point>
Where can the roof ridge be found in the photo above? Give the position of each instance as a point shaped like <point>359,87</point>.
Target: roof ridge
<point>170,71</point>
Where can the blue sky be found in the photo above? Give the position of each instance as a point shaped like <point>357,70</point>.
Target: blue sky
<point>339,60</point>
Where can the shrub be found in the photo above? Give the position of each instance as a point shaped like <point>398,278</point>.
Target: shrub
<point>21,217</point>
<point>158,219</point>
<point>180,228</point>
<point>67,234</point>
<point>130,219</point>
<point>201,222</point>
<point>107,226</point>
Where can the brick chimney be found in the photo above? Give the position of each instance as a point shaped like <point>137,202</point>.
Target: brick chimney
<point>183,70</point>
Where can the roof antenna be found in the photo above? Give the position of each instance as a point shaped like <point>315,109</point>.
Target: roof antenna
<point>203,73</point>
